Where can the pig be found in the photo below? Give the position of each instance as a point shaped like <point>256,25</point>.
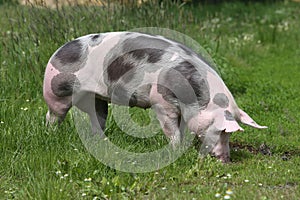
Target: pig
<point>146,71</point>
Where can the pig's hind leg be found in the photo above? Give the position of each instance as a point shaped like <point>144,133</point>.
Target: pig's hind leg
<point>96,108</point>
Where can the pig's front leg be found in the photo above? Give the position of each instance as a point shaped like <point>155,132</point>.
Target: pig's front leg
<point>221,150</point>
<point>169,120</point>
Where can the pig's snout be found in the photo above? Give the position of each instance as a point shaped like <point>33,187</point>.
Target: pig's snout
<point>221,149</point>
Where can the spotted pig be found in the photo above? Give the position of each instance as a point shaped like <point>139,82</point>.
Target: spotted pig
<point>147,71</point>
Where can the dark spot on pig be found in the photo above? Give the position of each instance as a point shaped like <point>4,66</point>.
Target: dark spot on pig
<point>228,116</point>
<point>221,100</point>
<point>70,52</point>
<point>64,84</point>
<point>185,83</point>
<point>95,37</point>
<point>95,40</point>
<point>70,58</point>
<point>190,52</point>
<point>144,42</point>
<point>118,68</point>
<point>119,94</point>
<point>140,96</point>
<point>153,55</point>
<point>133,100</point>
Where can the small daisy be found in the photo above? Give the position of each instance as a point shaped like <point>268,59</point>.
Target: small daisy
<point>217,195</point>
<point>226,196</point>
<point>229,192</point>
<point>58,172</point>
<point>88,179</point>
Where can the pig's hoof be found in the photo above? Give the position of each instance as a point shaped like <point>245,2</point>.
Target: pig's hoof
<point>222,158</point>
<point>98,133</point>
<point>175,142</point>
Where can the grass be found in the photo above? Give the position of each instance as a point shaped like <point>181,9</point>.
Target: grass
<point>256,47</point>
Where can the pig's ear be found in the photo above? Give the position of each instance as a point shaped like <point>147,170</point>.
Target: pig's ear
<point>231,126</point>
<point>226,122</point>
<point>246,119</point>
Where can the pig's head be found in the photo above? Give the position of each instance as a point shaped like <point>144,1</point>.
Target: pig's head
<point>214,126</point>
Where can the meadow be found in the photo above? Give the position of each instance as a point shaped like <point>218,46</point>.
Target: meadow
<point>256,47</point>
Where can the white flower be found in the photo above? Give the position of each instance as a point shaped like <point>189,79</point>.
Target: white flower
<point>229,191</point>
<point>217,195</point>
<point>246,181</point>
<point>88,179</point>
<point>58,172</point>
<point>215,20</point>
<point>83,194</point>
<point>226,196</point>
